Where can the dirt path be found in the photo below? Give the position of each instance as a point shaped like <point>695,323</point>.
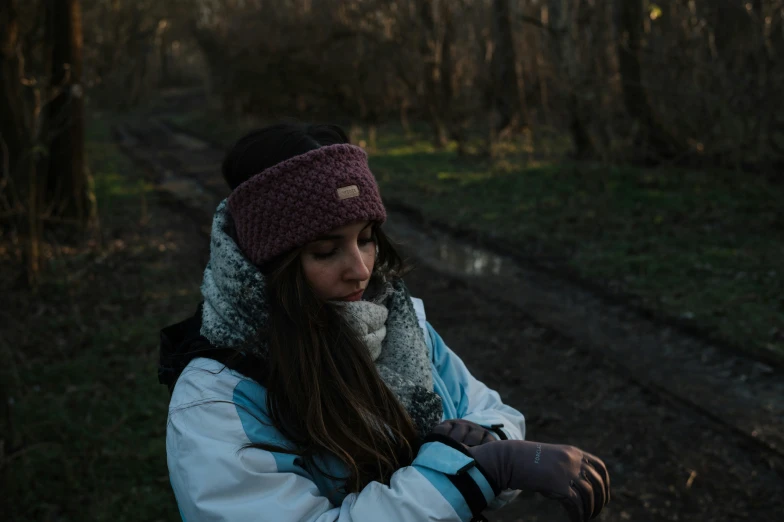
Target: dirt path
<point>687,431</point>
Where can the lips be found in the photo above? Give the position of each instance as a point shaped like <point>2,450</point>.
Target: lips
<point>353,297</point>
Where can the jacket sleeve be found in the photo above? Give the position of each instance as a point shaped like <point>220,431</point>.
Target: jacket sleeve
<point>474,401</point>
<point>214,479</point>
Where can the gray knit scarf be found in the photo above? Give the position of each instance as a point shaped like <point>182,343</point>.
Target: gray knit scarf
<point>236,312</point>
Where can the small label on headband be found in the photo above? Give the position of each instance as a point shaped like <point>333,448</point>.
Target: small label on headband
<point>351,191</point>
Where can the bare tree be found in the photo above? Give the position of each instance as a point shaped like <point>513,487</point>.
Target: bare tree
<point>508,86</point>
<point>14,102</point>
<point>66,195</point>
<point>436,47</point>
<point>658,142</point>
<point>565,18</point>
<point>19,104</point>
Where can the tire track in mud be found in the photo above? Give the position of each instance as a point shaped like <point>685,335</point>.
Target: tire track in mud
<point>736,391</point>
<point>667,462</point>
<point>670,457</point>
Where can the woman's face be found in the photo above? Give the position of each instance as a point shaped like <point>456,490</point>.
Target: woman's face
<point>340,262</point>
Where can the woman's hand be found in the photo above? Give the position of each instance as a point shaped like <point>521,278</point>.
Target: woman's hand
<point>465,432</point>
<point>579,480</point>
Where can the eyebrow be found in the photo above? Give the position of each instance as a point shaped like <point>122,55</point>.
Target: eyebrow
<point>329,237</point>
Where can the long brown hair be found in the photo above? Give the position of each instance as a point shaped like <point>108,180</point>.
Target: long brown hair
<point>324,393</point>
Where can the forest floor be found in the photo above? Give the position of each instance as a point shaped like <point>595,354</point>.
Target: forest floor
<point>88,418</point>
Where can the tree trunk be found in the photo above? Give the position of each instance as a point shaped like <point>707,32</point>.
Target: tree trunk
<point>584,147</point>
<point>510,102</point>
<point>404,123</point>
<point>19,192</point>
<point>761,62</point>
<point>214,55</point>
<point>564,13</point>
<point>658,142</point>
<point>66,194</point>
<point>14,128</point>
<point>541,74</point>
<point>137,74</point>
<point>453,123</point>
<point>432,53</point>
<point>163,53</point>
<point>776,42</point>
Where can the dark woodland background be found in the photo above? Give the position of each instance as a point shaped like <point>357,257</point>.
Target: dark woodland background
<point>634,144</point>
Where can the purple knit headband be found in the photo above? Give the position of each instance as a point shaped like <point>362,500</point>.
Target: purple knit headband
<point>301,198</point>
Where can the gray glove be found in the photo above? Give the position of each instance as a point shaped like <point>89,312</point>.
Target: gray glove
<point>577,479</point>
<point>465,432</point>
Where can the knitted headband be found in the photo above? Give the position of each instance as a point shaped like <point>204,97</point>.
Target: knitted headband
<point>301,198</point>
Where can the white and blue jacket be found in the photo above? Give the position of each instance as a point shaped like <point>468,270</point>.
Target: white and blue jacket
<point>215,411</point>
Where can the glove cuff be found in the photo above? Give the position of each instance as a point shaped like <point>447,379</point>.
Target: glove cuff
<point>496,428</point>
<point>462,480</point>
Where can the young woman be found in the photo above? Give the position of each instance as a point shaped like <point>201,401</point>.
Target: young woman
<point>309,384</point>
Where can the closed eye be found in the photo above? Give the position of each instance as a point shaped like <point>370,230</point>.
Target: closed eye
<point>362,242</point>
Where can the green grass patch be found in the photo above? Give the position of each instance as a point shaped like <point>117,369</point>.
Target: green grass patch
<point>87,418</point>
<point>706,246</point>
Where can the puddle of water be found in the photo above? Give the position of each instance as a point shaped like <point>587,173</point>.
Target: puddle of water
<point>469,260</point>
<point>492,274</point>
<point>446,253</point>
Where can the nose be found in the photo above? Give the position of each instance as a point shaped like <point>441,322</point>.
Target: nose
<point>357,267</point>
